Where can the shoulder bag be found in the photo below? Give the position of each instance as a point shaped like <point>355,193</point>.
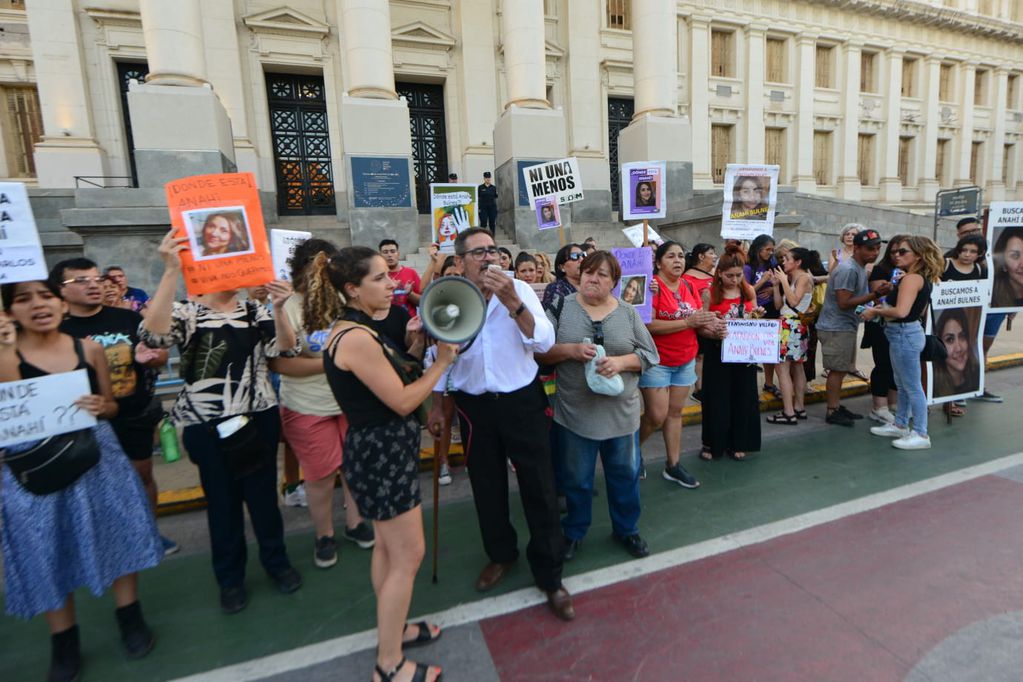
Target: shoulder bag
<point>54,463</point>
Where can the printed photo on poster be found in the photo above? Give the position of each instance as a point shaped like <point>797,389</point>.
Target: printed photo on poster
<point>634,286</point>
<point>634,289</point>
<point>1005,271</point>
<point>453,208</point>
<point>646,191</point>
<point>218,232</point>
<point>958,322</point>
<point>750,200</point>
<point>548,215</point>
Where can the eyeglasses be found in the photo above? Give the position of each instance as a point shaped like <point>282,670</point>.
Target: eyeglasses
<point>901,252</point>
<point>576,255</point>
<point>83,280</point>
<point>481,252</point>
<point>598,333</point>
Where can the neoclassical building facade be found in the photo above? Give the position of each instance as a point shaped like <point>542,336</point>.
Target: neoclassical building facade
<point>875,101</point>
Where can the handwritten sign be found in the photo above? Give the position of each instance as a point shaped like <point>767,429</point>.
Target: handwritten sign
<point>33,409</point>
<point>222,218</point>
<point>750,200</point>
<point>21,253</point>
<point>644,195</point>
<point>282,248</point>
<point>559,178</point>
<point>634,286</point>
<point>634,233</point>
<point>751,341</point>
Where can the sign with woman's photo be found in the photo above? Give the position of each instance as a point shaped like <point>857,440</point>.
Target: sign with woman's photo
<point>644,191</point>
<point>548,215</point>
<point>958,322</point>
<point>1005,263</point>
<point>750,199</point>
<point>222,219</point>
<point>453,210</point>
<point>634,285</point>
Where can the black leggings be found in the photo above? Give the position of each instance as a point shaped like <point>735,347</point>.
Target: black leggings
<point>882,377</point>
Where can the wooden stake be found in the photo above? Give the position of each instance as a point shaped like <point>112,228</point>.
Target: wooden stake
<point>646,233</point>
<point>561,234</point>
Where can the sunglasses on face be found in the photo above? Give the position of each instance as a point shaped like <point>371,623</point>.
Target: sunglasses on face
<point>481,252</point>
<point>578,255</point>
<point>901,252</point>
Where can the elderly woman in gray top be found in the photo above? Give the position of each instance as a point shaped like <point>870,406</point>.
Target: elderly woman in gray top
<point>593,423</point>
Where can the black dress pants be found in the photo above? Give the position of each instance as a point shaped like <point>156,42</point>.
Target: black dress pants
<point>497,427</point>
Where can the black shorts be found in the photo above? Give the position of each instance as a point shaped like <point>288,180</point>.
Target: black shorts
<point>135,432</point>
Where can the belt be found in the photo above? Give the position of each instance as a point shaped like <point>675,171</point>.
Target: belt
<point>495,396</point>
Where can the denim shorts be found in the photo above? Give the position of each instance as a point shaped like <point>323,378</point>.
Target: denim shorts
<point>993,323</point>
<point>662,376</point>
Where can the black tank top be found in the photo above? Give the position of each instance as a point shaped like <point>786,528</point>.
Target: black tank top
<point>30,371</point>
<point>359,404</point>
<point>916,311</point>
<point>951,274</point>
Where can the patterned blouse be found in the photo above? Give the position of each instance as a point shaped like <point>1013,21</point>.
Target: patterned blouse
<point>215,349</point>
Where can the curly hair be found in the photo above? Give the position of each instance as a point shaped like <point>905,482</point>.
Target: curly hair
<point>325,300</point>
<point>303,256</point>
<point>931,264</point>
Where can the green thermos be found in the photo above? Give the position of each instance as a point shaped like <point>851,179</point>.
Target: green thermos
<point>169,441</point>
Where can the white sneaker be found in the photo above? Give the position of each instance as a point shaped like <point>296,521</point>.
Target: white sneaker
<point>890,431</point>
<point>444,476</point>
<point>914,441</point>
<point>296,498</point>
<point>882,416</point>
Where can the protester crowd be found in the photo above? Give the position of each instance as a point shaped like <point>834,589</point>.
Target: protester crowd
<point>332,364</point>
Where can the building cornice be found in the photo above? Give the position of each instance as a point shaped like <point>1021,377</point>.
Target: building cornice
<point>919,12</point>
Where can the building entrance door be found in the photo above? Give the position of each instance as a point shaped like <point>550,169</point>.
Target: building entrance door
<point>301,142</point>
<point>429,139</point>
<point>126,73</point>
<point>619,115</point>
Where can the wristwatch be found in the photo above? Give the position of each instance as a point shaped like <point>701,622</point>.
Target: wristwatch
<point>518,311</point>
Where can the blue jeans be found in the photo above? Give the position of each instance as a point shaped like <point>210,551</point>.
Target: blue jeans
<point>905,342</point>
<point>621,473</point>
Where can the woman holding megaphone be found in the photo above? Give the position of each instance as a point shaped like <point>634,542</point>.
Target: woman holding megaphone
<point>377,391</point>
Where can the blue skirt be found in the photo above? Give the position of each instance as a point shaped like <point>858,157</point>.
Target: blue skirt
<point>96,530</point>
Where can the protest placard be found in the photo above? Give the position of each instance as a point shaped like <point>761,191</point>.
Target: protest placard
<point>548,215</point>
<point>958,321</point>
<point>644,190</point>
<point>637,273</point>
<point>33,409</point>
<point>21,253</point>
<point>554,178</point>
<point>751,341</point>
<point>750,199</point>
<point>1005,259</point>
<point>634,233</point>
<point>282,248</point>
<point>221,216</point>
<point>453,209</point>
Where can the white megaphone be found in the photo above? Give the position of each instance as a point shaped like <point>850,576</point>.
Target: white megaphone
<point>453,310</point>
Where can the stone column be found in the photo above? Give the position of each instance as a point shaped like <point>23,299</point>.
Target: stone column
<point>68,147</point>
<point>891,185</point>
<point>755,61</point>
<point>657,132</point>
<point>477,100</point>
<point>965,142</point>
<point>994,188</point>
<point>929,182</point>
<point>374,121</point>
<point>804,178</point>
<point>699,98</point>
<point>849,177</point>
<point>178,123</point>
<point>528,130</point>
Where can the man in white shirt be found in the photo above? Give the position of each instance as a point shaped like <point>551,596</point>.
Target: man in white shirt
<point>502,411</point>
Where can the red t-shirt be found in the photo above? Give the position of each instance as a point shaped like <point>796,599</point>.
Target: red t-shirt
<point>729,308</point>
<point>699,283</point>
<point>407,280</point>
<point>679,347</point>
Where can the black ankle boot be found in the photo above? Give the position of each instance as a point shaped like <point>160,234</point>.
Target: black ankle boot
<point>65,656</point>
<point>137,638</point>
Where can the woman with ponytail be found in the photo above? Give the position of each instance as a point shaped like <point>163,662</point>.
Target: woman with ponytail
<point>378,393</point>
<point>731,402</point>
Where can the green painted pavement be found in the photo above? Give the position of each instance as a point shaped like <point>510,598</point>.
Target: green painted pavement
<point>802,469</point>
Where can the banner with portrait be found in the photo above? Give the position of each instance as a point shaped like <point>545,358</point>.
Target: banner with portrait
<point>227,243</point>
<point>958,322</point>
<point>452,211</point>
<point>644,190</point>
<point>1005,256</point>
<point>750,200</point>
<point>634,285</point>
<point>548,214</point>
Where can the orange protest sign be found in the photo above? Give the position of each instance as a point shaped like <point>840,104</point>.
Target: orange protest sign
<point>221,216</point>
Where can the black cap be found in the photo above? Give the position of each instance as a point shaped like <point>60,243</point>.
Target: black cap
<point>452,176</point>
<point>486,174</point>
<point>867,238</point>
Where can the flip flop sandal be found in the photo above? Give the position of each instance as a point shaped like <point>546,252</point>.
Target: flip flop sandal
<point>737,456</point>
<point>706,454</point>
<point>424,637</point>
<point>782,418</point>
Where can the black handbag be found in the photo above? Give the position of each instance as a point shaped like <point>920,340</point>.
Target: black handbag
<point>56,462</point>
<point>934,349</point>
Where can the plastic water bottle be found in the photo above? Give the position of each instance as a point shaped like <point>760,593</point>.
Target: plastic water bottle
<point>169,441</point>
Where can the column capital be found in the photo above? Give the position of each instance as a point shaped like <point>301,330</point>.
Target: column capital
<point>895,51</point>
<point>755,29</point>
<point>934,59</point>
<point>807,38</point>
<point>853,45</point>
<point>701,20</point>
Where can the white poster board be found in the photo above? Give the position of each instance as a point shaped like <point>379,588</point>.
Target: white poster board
<point>1005,256</point>
<point>33,409</point>
<point>634,233</point>
<point>282,247</point>
<point>751,341</point>
<point>958,321</point>
<point>644,190</point>
<point>750,199</point>
<point>21,253</point>
<point>559,178</point>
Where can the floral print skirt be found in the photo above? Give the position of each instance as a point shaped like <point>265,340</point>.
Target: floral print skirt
<point>795,340</point>
<point>381,467</point>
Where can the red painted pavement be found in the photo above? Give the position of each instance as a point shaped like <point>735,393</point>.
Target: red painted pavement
<point>862,598</point>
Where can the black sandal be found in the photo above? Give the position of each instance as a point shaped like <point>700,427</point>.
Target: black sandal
<point>424,637</point>
<point>801,414</point>
<point>782,418</point>
<point>706,454</point>
<point>737,456</point>
<point>773,390</point>
<point>418,676</point>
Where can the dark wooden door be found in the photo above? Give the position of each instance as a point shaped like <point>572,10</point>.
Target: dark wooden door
<point>619,115</point>
<point>429,139</point>
<point>126,73</point>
